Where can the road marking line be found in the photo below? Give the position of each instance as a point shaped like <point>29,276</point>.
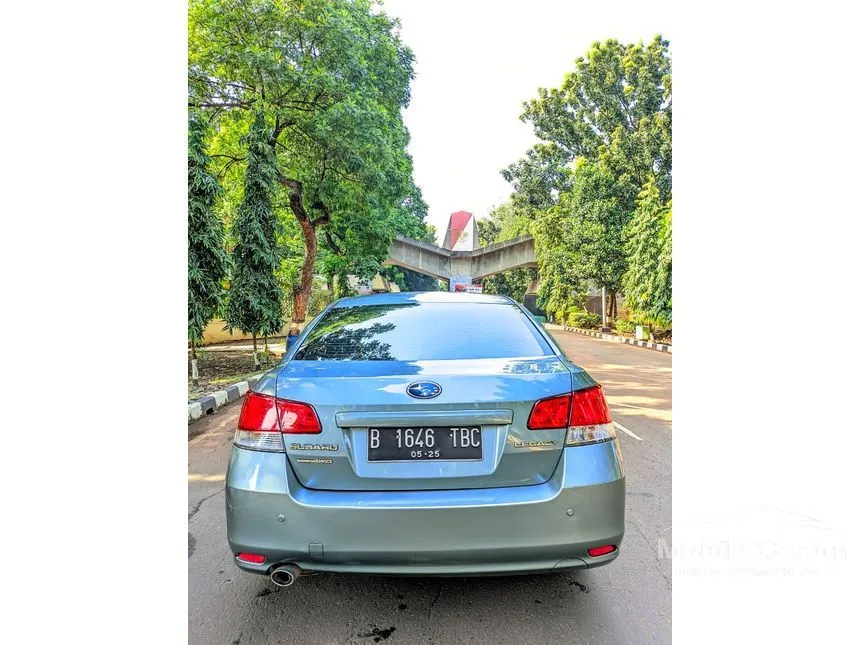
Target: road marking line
<point>639,407</point>
<point>623,429</point>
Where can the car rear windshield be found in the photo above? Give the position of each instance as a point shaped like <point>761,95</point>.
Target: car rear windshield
<point>427,331</point>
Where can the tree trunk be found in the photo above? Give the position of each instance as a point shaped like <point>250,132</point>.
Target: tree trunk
<point>195,375</point>
<point>329,285</point>
<point>302,293</point>
<point>256,358</point>
<point>266,347</point>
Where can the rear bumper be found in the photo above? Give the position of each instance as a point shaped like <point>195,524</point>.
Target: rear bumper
<point>524,529</point>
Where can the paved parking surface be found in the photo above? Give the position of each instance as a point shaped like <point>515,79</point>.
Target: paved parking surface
<point>628,601</point>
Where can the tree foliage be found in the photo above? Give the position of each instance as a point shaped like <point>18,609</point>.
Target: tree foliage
<point>606,134</point>
<point>616,105</point>
<point>255,303</point>
<point>648,280</point>
<point>540,176</point>
<point>207,259</point>
<point>331,78</point>
<point>583,232</point>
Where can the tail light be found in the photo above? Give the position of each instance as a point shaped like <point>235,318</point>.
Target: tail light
<point>590,420</point>
<point>584,413</point>
<point>550,413</point>
<point>264,419</point>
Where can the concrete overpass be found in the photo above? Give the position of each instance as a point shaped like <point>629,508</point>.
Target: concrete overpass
<point>445,264</point>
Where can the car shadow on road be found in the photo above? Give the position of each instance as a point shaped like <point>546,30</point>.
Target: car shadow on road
<point>372,608</point>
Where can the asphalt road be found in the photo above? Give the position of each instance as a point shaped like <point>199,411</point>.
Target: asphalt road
<point>628,601</point>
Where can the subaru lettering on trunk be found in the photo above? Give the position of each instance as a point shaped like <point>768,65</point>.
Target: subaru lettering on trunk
<point>502,458</point>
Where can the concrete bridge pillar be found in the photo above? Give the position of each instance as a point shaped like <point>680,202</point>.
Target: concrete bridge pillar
<point>461,236</point>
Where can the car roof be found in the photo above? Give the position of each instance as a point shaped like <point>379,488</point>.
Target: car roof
<point>421,297</point>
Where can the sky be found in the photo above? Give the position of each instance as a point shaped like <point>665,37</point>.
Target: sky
<point>476,62</point>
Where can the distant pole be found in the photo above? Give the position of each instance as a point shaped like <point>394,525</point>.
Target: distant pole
<point>603,303</point>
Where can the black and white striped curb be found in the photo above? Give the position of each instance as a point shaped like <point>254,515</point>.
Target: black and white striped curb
<point>199,408</point>
<point>657,347</point>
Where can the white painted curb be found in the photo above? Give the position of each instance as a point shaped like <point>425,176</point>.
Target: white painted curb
<point>657,347</point>
<point>207,404</point>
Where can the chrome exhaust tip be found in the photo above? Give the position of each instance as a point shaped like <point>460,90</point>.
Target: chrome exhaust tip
<point>285,575</point>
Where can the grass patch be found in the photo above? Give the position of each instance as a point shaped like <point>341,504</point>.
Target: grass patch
<point>227,380</point>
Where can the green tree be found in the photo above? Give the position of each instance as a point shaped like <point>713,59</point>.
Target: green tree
<point>616,104</point>
<point>255,298</point>
<point>560,282</point>
<point>207,259</point>
<point>648,279</point>
<point>591,237</point>
<point>539,177</point>
<point>332,77</point>
<point>611,119</point>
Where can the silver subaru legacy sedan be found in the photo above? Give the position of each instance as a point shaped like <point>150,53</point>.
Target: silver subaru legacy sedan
<point>431,434</point>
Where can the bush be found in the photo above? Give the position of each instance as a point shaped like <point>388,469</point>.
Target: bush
<point>624,326</point>
<point>583,320</point>
<point>566,316</point>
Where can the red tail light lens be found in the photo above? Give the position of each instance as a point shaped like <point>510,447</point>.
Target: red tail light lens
<point>589,408</point>
<point>550,413</point>
<point>265,413</point>
<point>259,413</point>
<point>264,419</point>
<point>601,550</point>
<point>255,558</point>
<point>584,413</point>
<point>298,418</point>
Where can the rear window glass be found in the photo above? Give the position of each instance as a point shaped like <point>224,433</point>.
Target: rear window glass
<point>429,331</point>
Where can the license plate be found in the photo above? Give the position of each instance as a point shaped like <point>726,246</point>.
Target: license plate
<point>420,444</point>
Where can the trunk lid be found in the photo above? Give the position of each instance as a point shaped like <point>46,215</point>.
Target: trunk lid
<point>495,394</point>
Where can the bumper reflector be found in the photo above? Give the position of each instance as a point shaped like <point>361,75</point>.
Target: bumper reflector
<point>601,550</point>
<point>254,558</point>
